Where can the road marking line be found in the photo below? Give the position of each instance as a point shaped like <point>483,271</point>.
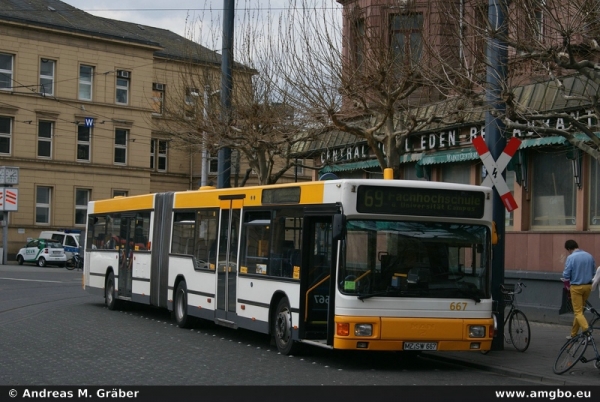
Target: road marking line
<point>29,280</point>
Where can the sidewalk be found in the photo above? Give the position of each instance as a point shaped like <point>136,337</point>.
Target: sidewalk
<point>535,363</point>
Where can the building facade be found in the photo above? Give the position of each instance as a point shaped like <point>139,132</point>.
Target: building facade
<point>556,185</point>
<point>82,102</point>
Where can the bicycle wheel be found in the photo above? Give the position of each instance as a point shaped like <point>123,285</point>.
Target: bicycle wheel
<point>70,264</point>
<point>518,328</point>
<point>570,354</point>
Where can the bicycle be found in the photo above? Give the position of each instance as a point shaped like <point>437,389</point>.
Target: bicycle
<point>74,262</point>
<point>573,350</point>
<point>518,325</point>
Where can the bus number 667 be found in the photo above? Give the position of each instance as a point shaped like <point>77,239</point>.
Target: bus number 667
<point>458,306</point>
<point>321,299</point>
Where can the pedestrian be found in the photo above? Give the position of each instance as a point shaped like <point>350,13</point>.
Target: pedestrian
<point>579,270</point>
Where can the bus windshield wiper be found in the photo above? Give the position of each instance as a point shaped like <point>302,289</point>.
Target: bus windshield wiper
<point>364,296</point>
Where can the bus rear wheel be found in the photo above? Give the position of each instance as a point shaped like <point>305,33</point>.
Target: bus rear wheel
<point>180,306</point>
<point>109,292</point>
<point>282,328</point>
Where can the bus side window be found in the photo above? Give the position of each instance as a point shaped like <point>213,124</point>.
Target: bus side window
<point>206,238</point>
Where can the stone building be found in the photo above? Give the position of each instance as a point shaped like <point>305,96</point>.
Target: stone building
<point>555,184</point>
<point>81,111</point>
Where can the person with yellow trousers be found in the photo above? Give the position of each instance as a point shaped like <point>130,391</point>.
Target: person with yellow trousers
<point>580,268</point>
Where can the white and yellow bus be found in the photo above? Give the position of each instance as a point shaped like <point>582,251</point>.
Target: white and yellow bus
<point>386,265</point>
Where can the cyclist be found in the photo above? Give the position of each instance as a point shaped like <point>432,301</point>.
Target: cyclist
<point>596,280</point>
<point>579,270</point>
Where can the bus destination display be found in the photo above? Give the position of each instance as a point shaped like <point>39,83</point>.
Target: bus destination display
<point>420,201</point>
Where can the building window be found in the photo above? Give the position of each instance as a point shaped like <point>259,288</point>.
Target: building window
<point>509,216</point>
<point>121,146</point>
<point>42,205</point>
<point>299,168</point>
<point>406,38</point>
<point>84,145</point>
<point>6,71</point>
<point>122,87</point>
<point>86,76</point>
<point>120,193</point>
<point>158,155</point>
<point>539,20</point>
<point>5,134</point>
<point>47,77</point>
<point>554,190</point>
<point>82,197</point>
<point>358,43</point>
<point>213,164</point>
<point>158,98</point>
<point>45,129</point>
<point>191,102</point>
<point>457,173</point>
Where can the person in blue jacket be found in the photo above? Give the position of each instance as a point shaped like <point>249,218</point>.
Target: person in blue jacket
<point>579,269</point>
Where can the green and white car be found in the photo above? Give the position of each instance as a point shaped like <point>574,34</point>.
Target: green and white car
<point>42,252</point>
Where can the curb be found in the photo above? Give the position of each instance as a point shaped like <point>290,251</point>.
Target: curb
<point>500,370</point>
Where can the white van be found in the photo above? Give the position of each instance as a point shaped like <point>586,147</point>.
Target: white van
<point>70,240</point>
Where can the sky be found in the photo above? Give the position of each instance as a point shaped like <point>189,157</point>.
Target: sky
<point>174,15</point>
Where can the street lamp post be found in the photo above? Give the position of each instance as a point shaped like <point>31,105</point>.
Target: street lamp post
<point>497,61</point>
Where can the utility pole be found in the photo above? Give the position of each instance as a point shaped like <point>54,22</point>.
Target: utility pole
<point>497,59</point>
<point>224,155</point>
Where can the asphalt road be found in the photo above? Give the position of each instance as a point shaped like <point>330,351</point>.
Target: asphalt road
<point>54,333</point>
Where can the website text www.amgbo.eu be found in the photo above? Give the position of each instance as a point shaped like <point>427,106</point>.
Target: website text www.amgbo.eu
<point>547,394</point>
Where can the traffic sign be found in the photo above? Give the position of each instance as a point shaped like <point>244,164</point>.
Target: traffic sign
<point>9,198</point>
<point>495,169</point>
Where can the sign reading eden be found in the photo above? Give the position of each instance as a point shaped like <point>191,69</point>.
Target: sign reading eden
<point>453,138</point>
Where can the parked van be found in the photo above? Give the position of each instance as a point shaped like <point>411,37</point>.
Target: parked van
<point>70,240</point>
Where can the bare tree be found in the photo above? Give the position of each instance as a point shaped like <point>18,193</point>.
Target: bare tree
<point>364,68</point>
<point>262,127</point>
<point>552,46</point>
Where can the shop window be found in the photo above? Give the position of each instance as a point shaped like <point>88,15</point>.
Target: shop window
<point>554,190</point>
<point>595,193</point>
<point>456,173</point>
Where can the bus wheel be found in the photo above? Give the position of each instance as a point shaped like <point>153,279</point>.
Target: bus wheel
<point>109,292</point>
<point>283,328</point>
<point>180,306</point>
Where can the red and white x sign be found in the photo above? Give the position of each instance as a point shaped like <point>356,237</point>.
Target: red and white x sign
<point>495,169</point>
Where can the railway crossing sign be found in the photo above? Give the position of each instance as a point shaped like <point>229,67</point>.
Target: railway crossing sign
<point>495,169</point>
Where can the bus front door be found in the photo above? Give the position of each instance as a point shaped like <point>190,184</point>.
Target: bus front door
<point>227,259</point>
<point>125,254</point>
<point>318,279</point>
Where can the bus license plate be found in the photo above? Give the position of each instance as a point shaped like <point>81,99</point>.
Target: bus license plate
<point>420,346</point>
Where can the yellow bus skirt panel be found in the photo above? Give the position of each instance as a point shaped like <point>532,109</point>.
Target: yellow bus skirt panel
<point>391,333</point>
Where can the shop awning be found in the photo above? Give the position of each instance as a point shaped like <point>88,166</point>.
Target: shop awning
<point>538,142</point>
<point>345,167</point>
<point>450,156</point>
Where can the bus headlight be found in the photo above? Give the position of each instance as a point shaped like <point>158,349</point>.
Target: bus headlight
<point>476,331</point>
<point>363,329</point>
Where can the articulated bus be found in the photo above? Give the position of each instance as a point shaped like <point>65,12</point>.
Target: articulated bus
<point>355,264</point>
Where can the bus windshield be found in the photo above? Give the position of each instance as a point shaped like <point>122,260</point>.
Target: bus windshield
<point>415,259</point>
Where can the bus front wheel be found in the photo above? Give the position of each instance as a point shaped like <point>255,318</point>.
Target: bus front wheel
<point>180,306</point>
<point>282,328</point>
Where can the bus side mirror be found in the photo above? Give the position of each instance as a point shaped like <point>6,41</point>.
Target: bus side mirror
<point>339,227</point>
